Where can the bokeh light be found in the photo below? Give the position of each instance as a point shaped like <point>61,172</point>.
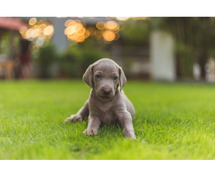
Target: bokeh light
<point>48,30</point>
<point>122,18</point>
<point>112,25</point>
<point>76,31</point>
<point>37,29</point>
<point>87,33</point>
<point>100,25</point>
<point>108,30</point>
<point>108,35</point>
<point>32,21</point>
<point>29,33</point>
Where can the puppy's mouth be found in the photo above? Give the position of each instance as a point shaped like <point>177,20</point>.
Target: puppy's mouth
<point>105,98</point>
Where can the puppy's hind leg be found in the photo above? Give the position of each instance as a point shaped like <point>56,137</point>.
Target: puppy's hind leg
<point>80,115</point>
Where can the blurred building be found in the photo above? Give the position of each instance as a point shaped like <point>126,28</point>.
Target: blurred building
<point>9,45</point>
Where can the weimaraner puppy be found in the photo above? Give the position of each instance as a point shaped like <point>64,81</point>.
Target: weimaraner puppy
<point>107,102</point>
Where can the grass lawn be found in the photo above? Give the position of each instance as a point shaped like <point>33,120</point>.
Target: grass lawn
<point>177,121</point>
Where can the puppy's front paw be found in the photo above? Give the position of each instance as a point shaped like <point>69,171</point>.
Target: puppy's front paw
<point>129,134</point>
<point>90,132</point>
<point>74,117</point>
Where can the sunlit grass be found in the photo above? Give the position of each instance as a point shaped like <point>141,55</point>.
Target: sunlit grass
<point>173,121</point>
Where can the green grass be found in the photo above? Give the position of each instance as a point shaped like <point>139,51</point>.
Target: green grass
<point>177,121</point>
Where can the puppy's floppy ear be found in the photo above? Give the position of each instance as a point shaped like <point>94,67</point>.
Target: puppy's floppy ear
<point>88,76</point>
<point>122,78</point>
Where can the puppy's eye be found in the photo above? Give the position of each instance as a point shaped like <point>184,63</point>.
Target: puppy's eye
<point>98,76</point>
<point>115,77</point>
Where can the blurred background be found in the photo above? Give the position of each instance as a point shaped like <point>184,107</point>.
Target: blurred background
<point>156,48</point>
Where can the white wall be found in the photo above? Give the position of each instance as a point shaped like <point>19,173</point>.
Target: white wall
<point>162,56</point>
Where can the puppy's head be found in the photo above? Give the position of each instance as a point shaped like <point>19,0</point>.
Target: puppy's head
<point>105,76</point>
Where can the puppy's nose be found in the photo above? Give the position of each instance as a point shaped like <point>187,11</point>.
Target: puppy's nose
<point>106,91</point>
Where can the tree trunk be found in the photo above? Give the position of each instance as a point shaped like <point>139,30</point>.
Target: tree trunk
<point>202,62</point>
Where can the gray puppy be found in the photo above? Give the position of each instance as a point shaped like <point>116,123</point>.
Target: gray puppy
<point>107,102</point>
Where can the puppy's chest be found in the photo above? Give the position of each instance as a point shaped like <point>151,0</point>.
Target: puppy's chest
<point>106,114</point>
<point>106,107</point>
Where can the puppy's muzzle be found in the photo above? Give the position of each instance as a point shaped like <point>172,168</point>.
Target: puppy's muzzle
<point>106,91</point>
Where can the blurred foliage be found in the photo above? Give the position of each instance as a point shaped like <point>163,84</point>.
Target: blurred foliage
<point>75,60</point>
<point>128,62</point>
<point>195,40</point>
<point>71,63</point>
<point>45,56</point>
<point>135,31</point>
<point>194,37</point>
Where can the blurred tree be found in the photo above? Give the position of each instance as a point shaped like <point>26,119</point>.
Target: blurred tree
<point>135,31</point>
<point>74,61</point>
<point>134,46</point>
<point>45,56</point>
<point>194,36</point>
<point>195,40</point>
